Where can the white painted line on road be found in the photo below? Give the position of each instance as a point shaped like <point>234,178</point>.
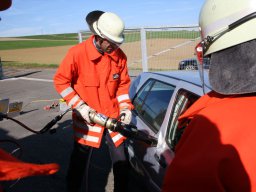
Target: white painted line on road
<point>35,79</point>
<point>10,79</point>
<point>26,78</point>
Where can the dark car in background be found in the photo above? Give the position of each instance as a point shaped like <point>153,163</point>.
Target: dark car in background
<point>159,98</point>
<point>191,64</point>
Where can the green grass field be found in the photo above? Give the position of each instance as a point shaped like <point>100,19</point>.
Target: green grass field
<point>23,44</point>
<point>14,64</point>
<point>66,36</point>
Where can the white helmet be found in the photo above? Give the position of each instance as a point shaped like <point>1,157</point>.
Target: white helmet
<point>229,37</point>
<point>225,23</point>
<point>110,26</point>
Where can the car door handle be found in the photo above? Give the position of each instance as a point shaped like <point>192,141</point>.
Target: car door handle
<point>161,160</point>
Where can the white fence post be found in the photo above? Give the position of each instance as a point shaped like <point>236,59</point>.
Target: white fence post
<point>144,57</point>
<point>80,38</point>
<point>1,70</point>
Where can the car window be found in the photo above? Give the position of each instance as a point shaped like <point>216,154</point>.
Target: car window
<point>152,101</point>
<point>175,129</point>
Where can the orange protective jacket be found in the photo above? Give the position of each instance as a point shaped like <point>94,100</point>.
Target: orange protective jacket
<point>99,80</point>
<point>12,168</point>
<point>217,151</point>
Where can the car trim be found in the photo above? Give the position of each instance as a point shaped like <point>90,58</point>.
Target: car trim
<point>168,131</point>
<point>179,79</point>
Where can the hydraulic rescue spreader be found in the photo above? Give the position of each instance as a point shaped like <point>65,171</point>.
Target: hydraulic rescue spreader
<point>127,130</point>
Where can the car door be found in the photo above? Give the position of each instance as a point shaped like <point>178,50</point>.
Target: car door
<point>151,104</point>
<point>157,107</point>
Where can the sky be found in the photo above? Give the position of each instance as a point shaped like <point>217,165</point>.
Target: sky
<point>40,17</point>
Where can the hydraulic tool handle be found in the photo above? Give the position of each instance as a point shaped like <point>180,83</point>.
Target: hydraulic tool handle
<point>49,125</point>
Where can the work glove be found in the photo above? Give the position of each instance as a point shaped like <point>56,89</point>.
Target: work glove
<point>126,116</point>
<point>83,111</point>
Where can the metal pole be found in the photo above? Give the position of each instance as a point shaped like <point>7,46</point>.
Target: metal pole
<point>144,50</point>
<point>1,70</point>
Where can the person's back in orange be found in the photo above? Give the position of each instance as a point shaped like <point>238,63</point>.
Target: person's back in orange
<point>12,168</point>
<point>217,150</point>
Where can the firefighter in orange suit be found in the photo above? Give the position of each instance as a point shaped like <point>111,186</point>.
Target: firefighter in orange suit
<point>93,76</point>
<point>217,149</point>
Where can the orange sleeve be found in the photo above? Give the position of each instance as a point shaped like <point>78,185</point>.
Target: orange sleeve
<point>123,89</point>
<point>63,78</point>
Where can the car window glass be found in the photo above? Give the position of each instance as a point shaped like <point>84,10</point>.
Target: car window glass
<point>152,101</point>
<point>182,102</point>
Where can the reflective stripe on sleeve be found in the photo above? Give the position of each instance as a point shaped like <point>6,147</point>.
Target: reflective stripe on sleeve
<point>73,100</point>
<point>124,97</point>
<point>79,103</point>
<point>66,92</point>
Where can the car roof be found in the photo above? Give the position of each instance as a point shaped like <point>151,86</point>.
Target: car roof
<point>188,76</point>
<point>189,59</point>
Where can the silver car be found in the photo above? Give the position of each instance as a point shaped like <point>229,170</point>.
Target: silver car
<point>192,64</point>
<point>159,99</point>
